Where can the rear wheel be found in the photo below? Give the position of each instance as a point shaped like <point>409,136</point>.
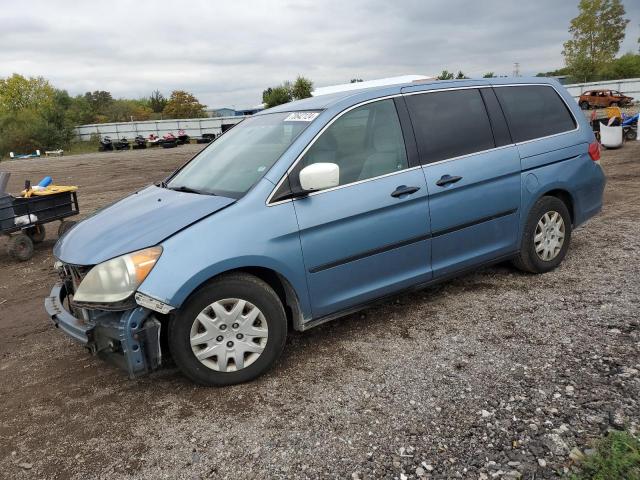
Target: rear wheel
<point>546,236</point>
<point>584,105</point>
<point>36,234</point>
<point>20,247</point>
<point>614,104</point>
<point>230,331</point>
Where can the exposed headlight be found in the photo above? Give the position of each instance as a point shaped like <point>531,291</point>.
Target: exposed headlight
<point>117,279</point>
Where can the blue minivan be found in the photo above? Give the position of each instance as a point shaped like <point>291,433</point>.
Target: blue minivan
<point>314,209</point>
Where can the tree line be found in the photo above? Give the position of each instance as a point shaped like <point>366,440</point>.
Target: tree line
<point>36,115</point>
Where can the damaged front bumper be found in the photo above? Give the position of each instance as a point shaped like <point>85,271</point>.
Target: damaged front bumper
<point>128,339</point>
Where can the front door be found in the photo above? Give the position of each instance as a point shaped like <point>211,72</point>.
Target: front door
<point>370,235</point>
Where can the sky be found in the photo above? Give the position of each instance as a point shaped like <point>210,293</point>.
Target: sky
<point>227,53</point>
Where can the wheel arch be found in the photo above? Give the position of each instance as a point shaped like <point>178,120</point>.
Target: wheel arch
<point>283,288</point>
<point>566,198</point>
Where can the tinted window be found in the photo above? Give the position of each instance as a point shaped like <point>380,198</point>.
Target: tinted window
<point>366,142</point>
<point>501,133</point>
<point>534,111</point>
<point>450,124</point>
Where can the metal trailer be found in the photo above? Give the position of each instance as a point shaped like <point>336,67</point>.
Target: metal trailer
<point>23,220</point>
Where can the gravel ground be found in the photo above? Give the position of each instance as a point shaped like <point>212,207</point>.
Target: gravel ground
<point>496,374</point>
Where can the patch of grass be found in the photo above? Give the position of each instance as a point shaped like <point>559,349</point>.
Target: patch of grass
<point>617,457</point>
<point>81,147</point>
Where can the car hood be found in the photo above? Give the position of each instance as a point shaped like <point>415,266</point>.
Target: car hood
<point>141,220</point>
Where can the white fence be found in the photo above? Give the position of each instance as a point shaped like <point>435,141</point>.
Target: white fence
<point>194,127</point>
<point>628,86</point>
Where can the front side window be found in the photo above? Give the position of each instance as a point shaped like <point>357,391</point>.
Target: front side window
<point>366,142</point>
<point>450,124</point>
<point>232,164</point>
<point>534,111</point>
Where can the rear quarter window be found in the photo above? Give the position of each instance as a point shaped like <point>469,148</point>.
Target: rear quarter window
<point>534,111</point>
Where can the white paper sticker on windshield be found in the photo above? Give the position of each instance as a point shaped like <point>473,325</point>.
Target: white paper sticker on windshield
<point>301,116</point>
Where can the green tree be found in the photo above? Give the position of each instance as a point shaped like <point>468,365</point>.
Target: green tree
<point>301,88</point>
<point>18,93</point>
<point>356,80</point>
<point>555,73</point>
<point>445,75</point>
<point>79,111</point>
<point>157,102</point>
<point>123,110</point>
<point>489,75</point>
<point>99,101</point>
<point>36,116</point>
<point>596,34</point>
<point>461,75</point>
<point>277,95</point>
<point>265,94</point>
<point>183,104</point>
<point>627,66</point>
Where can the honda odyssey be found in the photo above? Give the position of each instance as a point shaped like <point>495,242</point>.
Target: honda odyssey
<point>313,209</point>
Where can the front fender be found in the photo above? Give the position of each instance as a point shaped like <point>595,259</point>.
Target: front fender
<point>249,235</point>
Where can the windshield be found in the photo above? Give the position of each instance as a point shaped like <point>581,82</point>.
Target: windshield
<point>232,164</point>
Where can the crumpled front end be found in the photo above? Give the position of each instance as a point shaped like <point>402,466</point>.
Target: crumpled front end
<point>127,336</point>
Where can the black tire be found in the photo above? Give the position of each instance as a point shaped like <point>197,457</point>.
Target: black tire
<point>614,104</point>
<point>36,234</point>
<point>528,260</point>
<point>584,105</point>
<point>65,226</point>
<point>20,247</point>
<point>630,134</point>
<point>234,285</point>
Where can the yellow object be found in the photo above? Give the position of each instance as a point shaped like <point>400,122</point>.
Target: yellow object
<point>614,112</point>
<point>50,190</point>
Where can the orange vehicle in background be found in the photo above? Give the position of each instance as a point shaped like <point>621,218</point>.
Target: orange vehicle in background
<point>603,98</point>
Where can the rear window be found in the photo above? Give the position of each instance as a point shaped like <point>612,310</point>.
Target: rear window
<point>534,111</point>
<point>450,124</point>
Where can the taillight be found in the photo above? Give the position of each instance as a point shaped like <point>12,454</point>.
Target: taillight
<point>594,151</point>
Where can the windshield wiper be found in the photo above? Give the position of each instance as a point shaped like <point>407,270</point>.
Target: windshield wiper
<point>184,188</point>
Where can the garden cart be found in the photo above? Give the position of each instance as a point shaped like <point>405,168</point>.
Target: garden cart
<point>23,219</point>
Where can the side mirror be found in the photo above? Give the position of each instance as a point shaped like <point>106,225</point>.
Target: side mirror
<point>319,176</point>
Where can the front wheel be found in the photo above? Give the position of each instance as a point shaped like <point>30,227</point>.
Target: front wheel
<point>230,331</point>
<point>546,236</point>
<point>584,105</point>
<point>614,104</point>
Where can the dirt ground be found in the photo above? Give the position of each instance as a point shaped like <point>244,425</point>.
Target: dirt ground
<point>496,374</point>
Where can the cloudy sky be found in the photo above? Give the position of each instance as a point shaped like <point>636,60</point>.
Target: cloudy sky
<point>228,52</point>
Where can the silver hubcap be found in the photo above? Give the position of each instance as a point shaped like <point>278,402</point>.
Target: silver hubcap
<point>229,335</point>
<point>549,236</point>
